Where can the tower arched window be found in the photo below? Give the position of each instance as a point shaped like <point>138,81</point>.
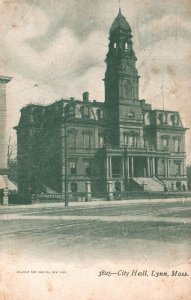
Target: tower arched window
<point>115,45</point>
<point>127,89</point>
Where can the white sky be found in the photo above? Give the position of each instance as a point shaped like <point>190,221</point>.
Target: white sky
<point>43,40</point>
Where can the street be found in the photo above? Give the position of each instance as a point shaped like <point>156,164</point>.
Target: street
<point>135,230</point>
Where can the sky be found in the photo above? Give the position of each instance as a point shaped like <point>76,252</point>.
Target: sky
<point>56,48</point>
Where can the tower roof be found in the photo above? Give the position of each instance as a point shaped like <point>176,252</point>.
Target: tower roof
<point>120,23</point>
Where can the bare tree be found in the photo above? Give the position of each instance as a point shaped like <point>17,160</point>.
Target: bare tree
<point>12,157</point>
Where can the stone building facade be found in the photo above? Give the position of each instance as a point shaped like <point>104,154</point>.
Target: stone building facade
<point>5,184</point>
<point>121,140</point>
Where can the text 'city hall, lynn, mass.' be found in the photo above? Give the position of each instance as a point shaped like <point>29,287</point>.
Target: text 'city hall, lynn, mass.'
<point>122,141</point>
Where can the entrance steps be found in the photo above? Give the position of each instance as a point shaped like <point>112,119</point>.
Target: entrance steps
<point>149,184</point>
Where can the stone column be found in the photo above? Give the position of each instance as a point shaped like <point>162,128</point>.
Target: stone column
<point>153,162</point>
<point>184,163</point>
<point>88,191</point>
<point>5,196</point>
<point>107,166</point>
<point>165,168</point>
<point>110,167</point>
<point>123,167</point>
<point>148,167</point>
<point>132,166</point>
<point>127,167</point>
<point>156,168</point>
<point>109,191</point>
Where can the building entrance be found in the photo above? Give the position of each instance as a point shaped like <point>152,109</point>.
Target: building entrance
<point>140,167</point>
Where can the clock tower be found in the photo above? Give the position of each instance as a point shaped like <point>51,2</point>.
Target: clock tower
<point>121,79</point>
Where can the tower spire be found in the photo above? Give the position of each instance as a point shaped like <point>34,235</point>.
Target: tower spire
<point>120,13</point>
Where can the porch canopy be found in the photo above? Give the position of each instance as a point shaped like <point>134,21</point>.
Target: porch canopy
<point>5,182</point>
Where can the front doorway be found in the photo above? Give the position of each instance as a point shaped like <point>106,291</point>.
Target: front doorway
<point>116,166</point>
<point>140,165</point>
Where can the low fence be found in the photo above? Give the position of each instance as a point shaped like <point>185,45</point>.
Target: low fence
<point>81,196</point>
<point>72,197</point>
<point>78,197</point>
<point>150,195</point>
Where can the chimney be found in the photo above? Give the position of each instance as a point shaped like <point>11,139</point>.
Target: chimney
<point>85,97</point>
<point>3,122</point>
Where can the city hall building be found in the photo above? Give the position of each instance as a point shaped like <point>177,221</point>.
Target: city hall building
<point>121,140</point>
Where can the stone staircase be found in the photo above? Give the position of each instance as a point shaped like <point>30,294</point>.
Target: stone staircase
<point>149,184</point>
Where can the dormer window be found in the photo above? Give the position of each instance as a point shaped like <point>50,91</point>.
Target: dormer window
<point>70,110</point>
<point>163,118</point>
<point>85,110</point>
<point>174,119</point>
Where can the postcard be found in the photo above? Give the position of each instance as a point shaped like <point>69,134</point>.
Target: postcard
<point>95,163</point>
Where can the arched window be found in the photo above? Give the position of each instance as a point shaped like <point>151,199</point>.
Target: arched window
<point>127,89</point>
<point>115,45</point>
<point>126,46</point>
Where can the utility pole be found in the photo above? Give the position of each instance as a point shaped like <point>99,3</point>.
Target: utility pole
<point>163,89</point>
<point>66,163</point>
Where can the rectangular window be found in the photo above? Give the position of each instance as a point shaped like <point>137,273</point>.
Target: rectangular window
<point>72,140</point>
<point>87,140</point>
<point>73,167</point>
<point>74,187</point>
<point>132,141</point>
<point>87,168</point>
<point>101,141</point>
<point>125,139</point>
<point>177,168</point>
<point>165,142</point>
<point>177,145</point>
